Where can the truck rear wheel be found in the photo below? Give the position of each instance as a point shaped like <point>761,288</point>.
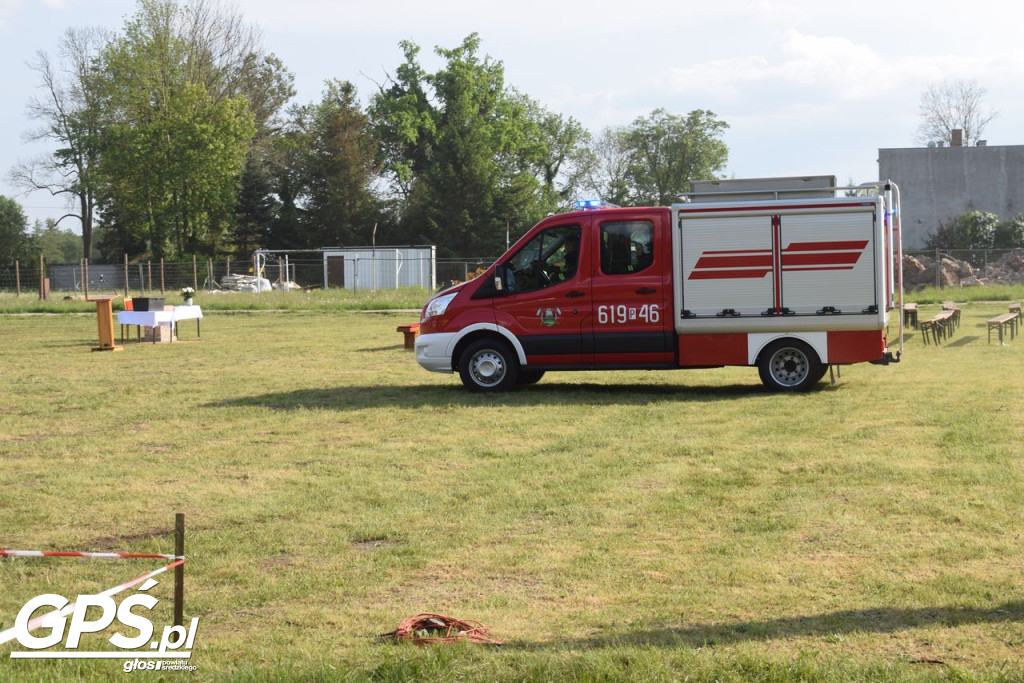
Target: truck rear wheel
<point>527,377</point>
<point>488,365</point>
<point>790,365</point>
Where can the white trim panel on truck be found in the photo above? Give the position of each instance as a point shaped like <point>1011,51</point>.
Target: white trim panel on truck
<point>434,351</point>
<point>817,341</point>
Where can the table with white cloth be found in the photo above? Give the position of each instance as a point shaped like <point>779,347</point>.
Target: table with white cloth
<point>168,317</point>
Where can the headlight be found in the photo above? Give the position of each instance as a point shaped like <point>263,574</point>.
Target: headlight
<point>438,305</point>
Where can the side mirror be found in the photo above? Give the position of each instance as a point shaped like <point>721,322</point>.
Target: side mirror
<point>500,273</point>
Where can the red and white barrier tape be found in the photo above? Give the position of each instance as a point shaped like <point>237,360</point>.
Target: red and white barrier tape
<point>11,634</point>
<point>104,556</point>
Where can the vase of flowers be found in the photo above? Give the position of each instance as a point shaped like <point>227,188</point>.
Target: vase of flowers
<point>187,293</point>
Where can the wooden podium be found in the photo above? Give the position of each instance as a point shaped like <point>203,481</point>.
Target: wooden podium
<point>105,322</point>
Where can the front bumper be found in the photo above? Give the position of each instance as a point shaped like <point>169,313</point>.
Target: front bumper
<point>434,351</point>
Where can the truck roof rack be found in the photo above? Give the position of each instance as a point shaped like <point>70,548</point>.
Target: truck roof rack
<point>756,189</point>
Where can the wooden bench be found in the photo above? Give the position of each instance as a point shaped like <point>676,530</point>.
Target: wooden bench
<point>1001,322</point>
<point>951,306</point>
<point>910,315</point>
<point>410,332</point>
<point>938,327</point>
<point>1015,309</point>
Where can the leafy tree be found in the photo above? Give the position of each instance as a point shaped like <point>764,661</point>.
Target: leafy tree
<point>286,229</point>
<point>461,152</point>
<point>557,150</point>
<point>952,105</point>
<point>14,242</point>
<point>258,207</point>
<point>175,143</point>
<point>606,167</point>
<point>69,115</point>
<point>667,152</point>
<point>403,117</point>
<point>969,230</point>
<point>226,55</point>
<point>58,246</point>
<point>338,168</point>
<point>1009,234</point>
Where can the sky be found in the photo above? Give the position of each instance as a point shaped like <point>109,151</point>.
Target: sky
<point>807,87</point>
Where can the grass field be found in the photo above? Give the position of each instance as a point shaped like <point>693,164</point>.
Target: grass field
<point>606,526</point>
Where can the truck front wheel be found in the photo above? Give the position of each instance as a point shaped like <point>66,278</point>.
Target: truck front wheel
<point>790,365</point>
<point>488,365</point>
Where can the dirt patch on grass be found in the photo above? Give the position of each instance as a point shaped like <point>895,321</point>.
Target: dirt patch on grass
<point>371,544</point>
<point>114,543</point>
<point>281,560</point>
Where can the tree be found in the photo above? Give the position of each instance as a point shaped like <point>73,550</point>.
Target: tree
<point>952,105</point>
<point>70,116</point>
<point>257,207</point>
<point>557,150</point>
<point>969,230</point>
<point>177,135</point>
<point>667,152</point>
<point>606,168</point>
<point>1009,234</point>
<point>461,152</point>
<point>57,245</point>
<point>14,242</point>
<point>338,168</point>
<point>403,117</point>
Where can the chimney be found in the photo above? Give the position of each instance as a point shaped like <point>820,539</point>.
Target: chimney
<point>957,138</point>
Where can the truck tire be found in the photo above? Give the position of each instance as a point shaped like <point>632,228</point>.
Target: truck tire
<point>790,365</point>
<point>528,377</point>
<point>488,365</point>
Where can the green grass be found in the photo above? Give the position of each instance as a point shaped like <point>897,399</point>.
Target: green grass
<point>329,301</point>
<point>934,295</point>
<point>606,526</point>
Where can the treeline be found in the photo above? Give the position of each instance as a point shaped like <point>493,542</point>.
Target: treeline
<point>177,136</point>
<point>978,230</point>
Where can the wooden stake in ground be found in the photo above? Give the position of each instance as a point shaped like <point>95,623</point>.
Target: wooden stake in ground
<point>179,571</point>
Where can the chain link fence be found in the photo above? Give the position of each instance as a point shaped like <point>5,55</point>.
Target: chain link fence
<point>170,276</point>
<point>944,268</point>
<point>922,268</point>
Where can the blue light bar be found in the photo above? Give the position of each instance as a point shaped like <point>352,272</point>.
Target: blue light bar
<point>588,204</point>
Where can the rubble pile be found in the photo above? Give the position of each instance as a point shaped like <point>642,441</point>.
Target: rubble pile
<point>923,271</point>
<point>244,283</point>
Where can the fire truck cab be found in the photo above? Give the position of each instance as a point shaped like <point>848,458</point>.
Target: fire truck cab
<point>788,282</point>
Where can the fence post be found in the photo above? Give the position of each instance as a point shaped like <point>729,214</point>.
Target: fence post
<point>17,279</point>
<point>161,274</point>
<point>85,277</point>
<point>195,274</point>
<point>179,571</point>
<point>938,270</point>
<point>126,274</point>
<point>149,275</point>
<point>44,284</point>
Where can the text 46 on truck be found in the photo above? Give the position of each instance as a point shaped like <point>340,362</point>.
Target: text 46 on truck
<point>768,274</point>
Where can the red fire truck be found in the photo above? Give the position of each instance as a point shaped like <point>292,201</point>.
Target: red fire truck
<point>752,273</point>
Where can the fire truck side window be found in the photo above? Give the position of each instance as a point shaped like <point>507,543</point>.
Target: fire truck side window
<point>549,258</point>
<point>626,247</point>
